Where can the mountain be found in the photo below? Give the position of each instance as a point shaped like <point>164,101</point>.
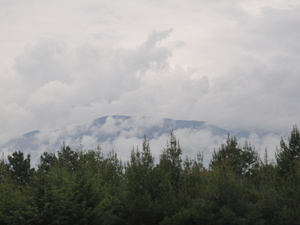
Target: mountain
<point>121,133</point>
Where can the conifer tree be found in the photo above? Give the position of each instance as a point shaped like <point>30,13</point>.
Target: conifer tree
<point>171,161</point>
<point>242,161</point>
<point>288,156</point>
<point>19,167</point>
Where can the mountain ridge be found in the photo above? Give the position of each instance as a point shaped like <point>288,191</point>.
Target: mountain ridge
<point>121,133</point>
<point>106,129</point>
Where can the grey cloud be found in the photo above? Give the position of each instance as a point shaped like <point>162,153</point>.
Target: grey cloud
<point>179,44</point>
<point>246,57</point>
<point>104,68</point>
<point>273,30</point>
<point>280,23</point>
<point>261,95</point>
<point>43,62</point>
<point>196,86</point>
<point>127,134</point>
<point>119,134</point>
<point>54,82</point>
<point>46,61</point>
<point>157,36</point>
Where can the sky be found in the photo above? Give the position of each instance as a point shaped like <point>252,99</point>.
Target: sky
<point>234,64</point>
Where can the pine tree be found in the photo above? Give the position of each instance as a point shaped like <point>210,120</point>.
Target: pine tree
<point>289,154</point>
<point>242,161</point>
<point>19,167</point>
<point>171,161</point>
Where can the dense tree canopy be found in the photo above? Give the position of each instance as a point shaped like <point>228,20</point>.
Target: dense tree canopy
<point>242,161</point>
<point>86,187</point>
<point>289,154</point>
<point>19,167</point>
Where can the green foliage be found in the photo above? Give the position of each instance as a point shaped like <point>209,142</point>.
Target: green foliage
<point>139,187</point>
<point>192,175</point>
<point>19,167</point>
<point>289,154</point>
<point>242,161</point>
<point>14,205</point>
<point>171,162</point>
<point>4,173</point>
<point>67,158</point>
<point>84,187</point>
<point>47,160</point>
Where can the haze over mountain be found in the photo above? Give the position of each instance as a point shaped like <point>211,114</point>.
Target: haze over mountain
<point>231,63</point>
<point>122,133</point>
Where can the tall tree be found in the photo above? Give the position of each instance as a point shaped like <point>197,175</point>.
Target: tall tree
<point>139,186</point>
<point>168,179</point>
<point>193,175</point>
<point>68,158</point>
<point>242,161</point>
<point>3,170</point>
<point>19,167</point>
<point>171,161</point>
<point>47,160</point>
<point>288,156</point>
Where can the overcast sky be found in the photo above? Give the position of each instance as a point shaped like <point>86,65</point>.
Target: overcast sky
<point>232,63</point>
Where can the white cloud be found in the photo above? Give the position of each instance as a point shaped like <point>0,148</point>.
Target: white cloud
<point>110,127</point>
<point>234,64</point>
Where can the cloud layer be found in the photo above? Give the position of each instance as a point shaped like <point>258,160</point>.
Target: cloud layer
<point>233,64</point>
<point>123,133</point>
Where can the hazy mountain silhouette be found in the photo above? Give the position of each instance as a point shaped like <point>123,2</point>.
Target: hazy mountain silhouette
<point>107,129</point>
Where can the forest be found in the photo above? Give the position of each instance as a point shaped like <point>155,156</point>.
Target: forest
<point>77,186</point>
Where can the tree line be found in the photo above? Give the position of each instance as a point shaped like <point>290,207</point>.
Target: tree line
<point>85,187</point>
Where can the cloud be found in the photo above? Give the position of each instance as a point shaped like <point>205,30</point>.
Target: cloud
<point>52,81</point>
<point>44,62</point>
<point>110,127</point>
<point>234,64</point>
<point>122,135</point>
<point>156,36</point>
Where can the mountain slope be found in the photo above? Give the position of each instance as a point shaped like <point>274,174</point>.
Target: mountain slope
<point>119,133</point>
